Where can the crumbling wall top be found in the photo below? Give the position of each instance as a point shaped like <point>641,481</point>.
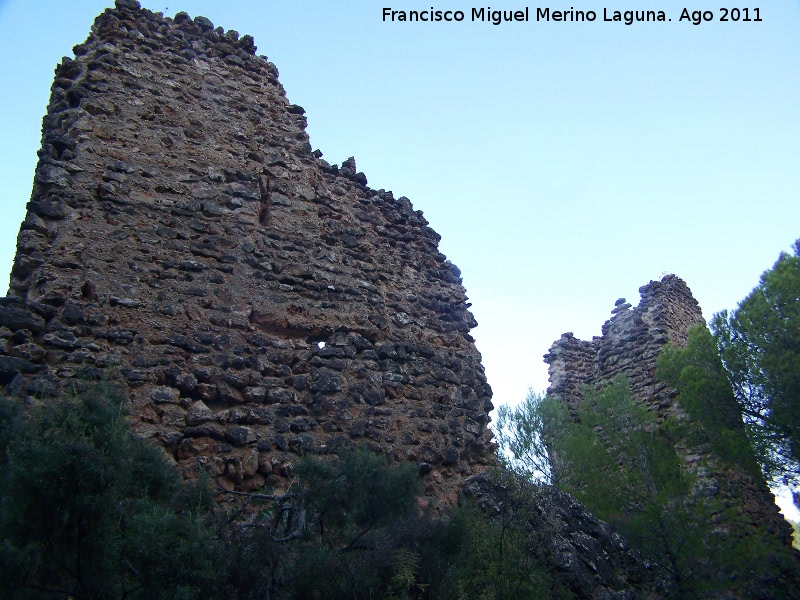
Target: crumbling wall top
<point>629,345</point>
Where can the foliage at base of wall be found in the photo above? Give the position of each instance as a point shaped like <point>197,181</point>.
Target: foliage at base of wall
<point>697,373</point>
<point>87,511</point>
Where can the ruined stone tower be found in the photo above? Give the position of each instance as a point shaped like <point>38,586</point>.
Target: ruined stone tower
<point>629,345</point>
<point>255,302</point>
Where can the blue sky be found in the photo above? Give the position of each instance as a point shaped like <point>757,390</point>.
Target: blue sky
<point>564,164</point>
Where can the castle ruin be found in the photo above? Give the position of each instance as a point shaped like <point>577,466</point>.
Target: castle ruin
<point>254,302</point>
<point>629,346</point>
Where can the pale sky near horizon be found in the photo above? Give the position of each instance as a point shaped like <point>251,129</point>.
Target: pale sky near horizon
<point>564,164</point>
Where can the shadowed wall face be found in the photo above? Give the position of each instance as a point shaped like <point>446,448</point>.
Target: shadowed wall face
<point>255,301</point>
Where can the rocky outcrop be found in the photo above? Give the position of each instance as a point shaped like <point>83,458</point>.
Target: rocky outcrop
<point>582,554</point>
<point>254,301</point>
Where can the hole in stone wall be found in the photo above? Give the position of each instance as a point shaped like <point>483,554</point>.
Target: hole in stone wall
<point>319,338</point>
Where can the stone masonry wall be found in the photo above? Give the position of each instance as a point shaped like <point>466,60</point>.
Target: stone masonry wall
<point>629,345</point>
<point>255,302</point>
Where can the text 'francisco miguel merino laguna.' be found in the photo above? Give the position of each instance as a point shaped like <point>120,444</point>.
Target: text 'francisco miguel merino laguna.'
<point>628,17</point>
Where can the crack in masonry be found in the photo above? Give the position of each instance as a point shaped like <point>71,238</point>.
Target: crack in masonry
<point>263,188</point>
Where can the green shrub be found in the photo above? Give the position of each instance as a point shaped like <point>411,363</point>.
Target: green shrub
<point>89,511</point>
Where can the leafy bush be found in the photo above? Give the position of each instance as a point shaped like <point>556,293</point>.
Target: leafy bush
<point>89,511</point>
<point>355,503</point>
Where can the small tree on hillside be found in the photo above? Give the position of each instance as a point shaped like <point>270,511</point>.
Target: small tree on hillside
<point>519,435</point>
